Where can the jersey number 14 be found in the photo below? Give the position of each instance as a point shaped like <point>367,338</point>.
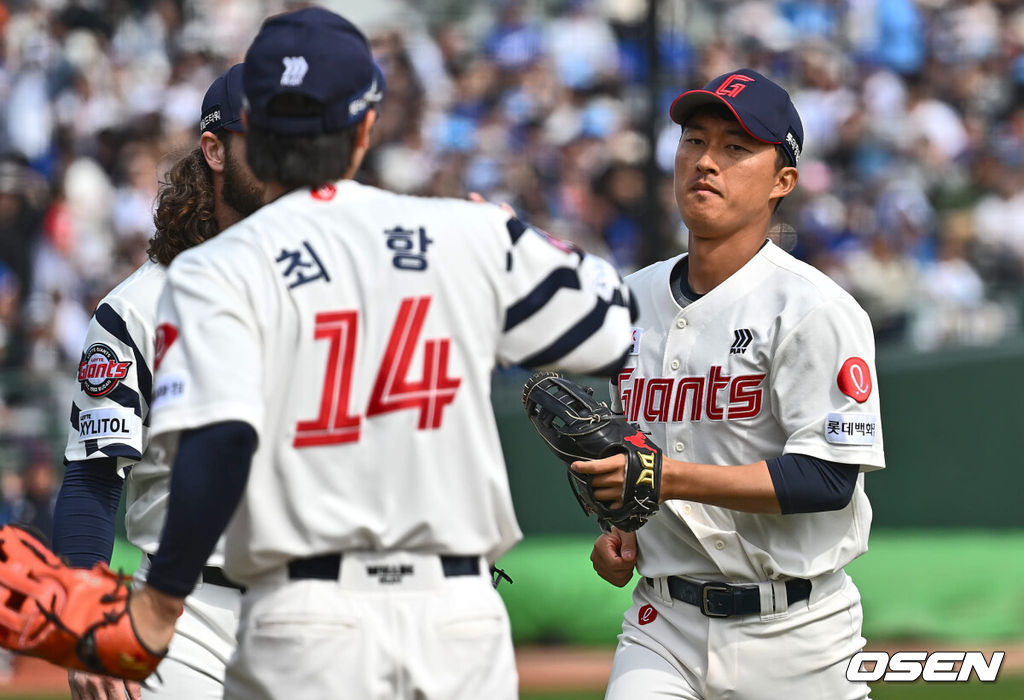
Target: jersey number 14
<point>392,390</point>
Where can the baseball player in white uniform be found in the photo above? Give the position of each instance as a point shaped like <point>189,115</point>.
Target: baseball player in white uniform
<point>109,440</point>
<point>755,373</point>
<point>324,387</point>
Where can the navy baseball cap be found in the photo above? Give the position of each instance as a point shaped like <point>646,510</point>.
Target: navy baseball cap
<point>222,105</point>
<point>317,54</point>
<point>762,107</point>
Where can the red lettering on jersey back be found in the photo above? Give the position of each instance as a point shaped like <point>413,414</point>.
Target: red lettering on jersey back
<point>392,391</point>
<point>646,615</point>
<point>166,334</point>
<point>854,379</point>
<point>334,424</point>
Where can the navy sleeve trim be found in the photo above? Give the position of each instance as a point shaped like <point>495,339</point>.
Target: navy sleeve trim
<point>115,325</point>
<point>128,398</point>
<point>805,484</point>
<point>539,296</point>
<point>85,511</point>
<point>576,335</point>
<point>516,229</point>
<point>121,451</point>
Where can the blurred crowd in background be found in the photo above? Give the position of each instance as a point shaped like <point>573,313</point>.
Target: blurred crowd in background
<point>911,187</point>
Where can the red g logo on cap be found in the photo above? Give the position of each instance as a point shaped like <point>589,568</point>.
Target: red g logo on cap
<point>855,379</point>
<point>733,85</point>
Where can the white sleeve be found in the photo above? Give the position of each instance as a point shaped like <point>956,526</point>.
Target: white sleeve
<point>824,387</point>
<point>564,309</point>
<point>110,402</point>
<point>209,346</point>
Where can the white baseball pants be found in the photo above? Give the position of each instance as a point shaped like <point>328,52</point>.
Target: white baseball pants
<point>801,651</point>
<point>412,633</point>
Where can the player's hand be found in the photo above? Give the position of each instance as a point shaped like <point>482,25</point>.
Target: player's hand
<point>614,556</point>
<point>479,199</point>
<point>153,615</point>
<point>606,477</point>
<point>89,686</point>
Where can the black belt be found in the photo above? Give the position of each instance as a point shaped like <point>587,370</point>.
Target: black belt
<point>214,575</point>
<point>726,599</point>
<point>328,567</point>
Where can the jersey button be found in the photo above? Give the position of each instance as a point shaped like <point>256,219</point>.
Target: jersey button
<point>719,545</point>
<point>681,323</point>
<point>679,446</point>
<point>687,508</point>
<point>674,364</point>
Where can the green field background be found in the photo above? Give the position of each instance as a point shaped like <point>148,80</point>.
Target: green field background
<point>927,585</point>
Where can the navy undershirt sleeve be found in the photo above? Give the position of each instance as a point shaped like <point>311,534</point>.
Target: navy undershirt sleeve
<point>85,511</point>
<point>805,484</point>
<point>207,483</point>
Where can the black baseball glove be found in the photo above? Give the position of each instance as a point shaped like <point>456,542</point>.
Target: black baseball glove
<point>577,427</point>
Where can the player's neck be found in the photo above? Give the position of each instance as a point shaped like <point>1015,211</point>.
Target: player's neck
<point>712,260</point>
<point>273,190</point>
<point>224,215</point>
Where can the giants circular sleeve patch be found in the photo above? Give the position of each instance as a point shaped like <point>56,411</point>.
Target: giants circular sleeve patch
<point>100,370</point>
<point>854,379</point>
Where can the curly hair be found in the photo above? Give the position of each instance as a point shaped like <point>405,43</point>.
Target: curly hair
<point>184,211</point>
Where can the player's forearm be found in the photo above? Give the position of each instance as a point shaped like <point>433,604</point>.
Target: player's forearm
<point>746,487</point>
<point>85,511</point>
<point>207,482</point>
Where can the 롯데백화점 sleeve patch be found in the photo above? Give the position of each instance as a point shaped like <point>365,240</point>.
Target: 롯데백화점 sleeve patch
<point>851,428</point>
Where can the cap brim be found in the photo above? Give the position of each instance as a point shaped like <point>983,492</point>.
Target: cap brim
<point>688,102</point>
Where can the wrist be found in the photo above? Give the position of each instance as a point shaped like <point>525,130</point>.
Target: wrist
<point>671,477</point>
<point>163,607</point>
<point>153,615</point>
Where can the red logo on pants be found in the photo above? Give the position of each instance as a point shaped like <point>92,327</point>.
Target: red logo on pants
<point>647,615</point>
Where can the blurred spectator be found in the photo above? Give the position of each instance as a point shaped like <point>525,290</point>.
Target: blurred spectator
<point>29,495</point>
<point>22,205</point>
<point>913,113</point>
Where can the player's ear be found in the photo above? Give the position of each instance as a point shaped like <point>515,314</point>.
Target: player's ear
<point>362,143</point>
<point>785,182</point>
<point>365,128</point>
<point>213,151</point>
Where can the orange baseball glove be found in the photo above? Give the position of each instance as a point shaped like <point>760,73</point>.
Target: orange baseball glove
<point>76,618</point>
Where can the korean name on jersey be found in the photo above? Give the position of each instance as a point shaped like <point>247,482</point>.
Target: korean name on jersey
<point>361,351</point>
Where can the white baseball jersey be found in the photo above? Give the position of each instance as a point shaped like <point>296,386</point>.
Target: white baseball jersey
<point>110,408</point>
<point>356,331</point>
<point>776,359</point>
